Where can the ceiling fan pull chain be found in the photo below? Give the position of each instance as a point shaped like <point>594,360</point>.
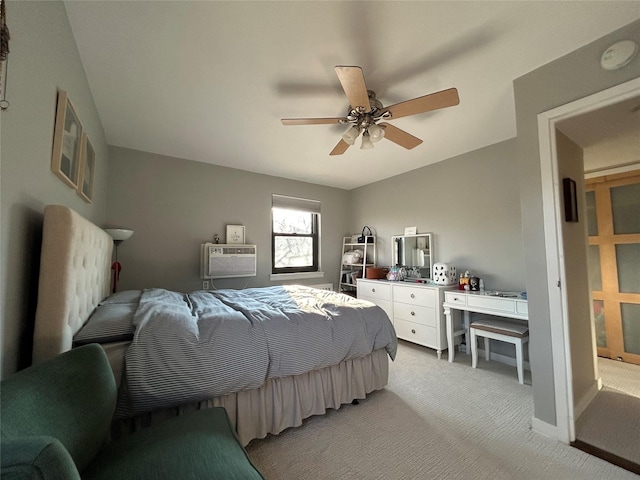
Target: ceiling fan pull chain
<point>4,33</point>
<point>4,56</point>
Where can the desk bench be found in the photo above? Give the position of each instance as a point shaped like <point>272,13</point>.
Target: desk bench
<point>504,331</point>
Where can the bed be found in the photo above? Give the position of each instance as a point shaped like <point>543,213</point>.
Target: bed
<point>280,376</point>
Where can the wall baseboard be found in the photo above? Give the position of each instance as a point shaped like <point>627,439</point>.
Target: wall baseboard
<point>544,428</point>
<point>582,404</point>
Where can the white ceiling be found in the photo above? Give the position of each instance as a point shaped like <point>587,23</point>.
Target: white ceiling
<point>209,81</point>
<point>609,137</point>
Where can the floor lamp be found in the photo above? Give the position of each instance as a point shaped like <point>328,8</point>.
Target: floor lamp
<point>119,235</point>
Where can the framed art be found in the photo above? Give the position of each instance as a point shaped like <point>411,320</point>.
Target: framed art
<point>65,160</point>
<point>235,233</point>
<point>87,168</point>
<point>570,200</point>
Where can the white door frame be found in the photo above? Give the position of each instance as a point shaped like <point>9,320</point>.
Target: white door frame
<point>556,274</point>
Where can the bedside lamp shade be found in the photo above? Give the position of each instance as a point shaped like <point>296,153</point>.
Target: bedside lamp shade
<point>119,234</point>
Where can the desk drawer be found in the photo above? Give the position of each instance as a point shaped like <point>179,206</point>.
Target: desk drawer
<point>414,332</point>
<point>522,308</point>
<point>455,297</point>
<point>492,303</point>
<point>414,295</point>
<point>374,290</point>
<point>414,313</point>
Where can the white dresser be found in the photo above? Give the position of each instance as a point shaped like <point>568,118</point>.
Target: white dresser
<point>414,308</point>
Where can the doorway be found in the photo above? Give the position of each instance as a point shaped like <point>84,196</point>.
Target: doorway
<point>571,402</point>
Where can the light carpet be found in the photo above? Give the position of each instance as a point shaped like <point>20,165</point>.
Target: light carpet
<point>611,422</point>
<point>435,420</point>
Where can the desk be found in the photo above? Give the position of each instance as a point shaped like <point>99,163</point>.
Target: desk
<point>479,302</point>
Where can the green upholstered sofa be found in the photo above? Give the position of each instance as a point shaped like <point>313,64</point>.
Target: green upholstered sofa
<point>55,423</point>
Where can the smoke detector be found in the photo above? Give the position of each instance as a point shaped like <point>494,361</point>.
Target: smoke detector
<point>619,54</point>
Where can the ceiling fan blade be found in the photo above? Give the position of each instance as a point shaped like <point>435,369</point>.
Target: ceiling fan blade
<point>313,121</point>
<point>399,136</point>
<point>352,80</point>
<point>340,148</point>
<point>433,101</point>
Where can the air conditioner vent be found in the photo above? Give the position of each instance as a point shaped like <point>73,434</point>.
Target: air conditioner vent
<point>228,261</point>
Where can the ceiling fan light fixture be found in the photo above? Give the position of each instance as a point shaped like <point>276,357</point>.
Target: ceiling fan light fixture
<point>365,110</point>
<point>350,135</point>
<point>376,133</point>
<point>367,144</point>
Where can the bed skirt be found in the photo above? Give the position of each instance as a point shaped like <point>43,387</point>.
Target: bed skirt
<point>284,402</point>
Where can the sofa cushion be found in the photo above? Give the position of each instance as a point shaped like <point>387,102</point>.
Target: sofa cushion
<point>70,397</point>
<point>198,445</point>
<point>37,457</point>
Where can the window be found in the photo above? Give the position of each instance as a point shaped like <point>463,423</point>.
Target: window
<point>295,235</point>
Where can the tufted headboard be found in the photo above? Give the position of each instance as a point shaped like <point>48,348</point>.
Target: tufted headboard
<point>75,274</point>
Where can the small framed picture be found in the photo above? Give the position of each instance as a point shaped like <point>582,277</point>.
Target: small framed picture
<point>410,230</point>
<point>235,233</point>
<point>87,167</point>
<point>65,159</point>
<point>570,200</point>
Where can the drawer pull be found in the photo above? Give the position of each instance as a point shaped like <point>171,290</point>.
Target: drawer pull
<point>413,296</point>
<point>413,330</point>
<point>373,290</point>
<point>413,314</point>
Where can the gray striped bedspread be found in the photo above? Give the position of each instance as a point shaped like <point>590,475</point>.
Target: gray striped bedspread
<point>189,347</point>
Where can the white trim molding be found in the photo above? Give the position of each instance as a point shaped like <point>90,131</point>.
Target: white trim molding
<point>556,275</point>
<point>296,276</point>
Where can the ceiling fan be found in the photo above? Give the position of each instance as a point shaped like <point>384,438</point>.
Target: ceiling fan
<point>366,112</point>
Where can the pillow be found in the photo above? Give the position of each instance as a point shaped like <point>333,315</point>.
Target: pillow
<point>108,323</point>
<point>125,296</point>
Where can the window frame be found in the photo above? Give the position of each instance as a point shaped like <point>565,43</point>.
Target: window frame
<point>302,205</point>
<point>314,235</point>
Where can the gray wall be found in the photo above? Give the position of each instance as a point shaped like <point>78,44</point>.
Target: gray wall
<point>575,241</point>
<point>43,59</point>
<point>174,205</point>
<point>569,78</point>
<point>471,203</point>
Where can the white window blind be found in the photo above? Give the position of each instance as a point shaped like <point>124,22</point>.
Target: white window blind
<point>295,203</point>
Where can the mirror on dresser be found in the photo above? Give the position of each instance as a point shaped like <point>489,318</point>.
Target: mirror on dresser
<point>414,253</point>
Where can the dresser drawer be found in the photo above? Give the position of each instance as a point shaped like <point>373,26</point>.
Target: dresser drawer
<point>378,290</point>
<point>414,295</point>
<point>386,305</point>
<point>414,313</point>
<point>455,297</point>
<point>414,332</point>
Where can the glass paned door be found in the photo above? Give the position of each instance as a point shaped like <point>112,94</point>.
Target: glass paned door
<point>613,223</point>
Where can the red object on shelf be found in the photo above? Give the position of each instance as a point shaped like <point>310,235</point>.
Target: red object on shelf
<point>116,268</point>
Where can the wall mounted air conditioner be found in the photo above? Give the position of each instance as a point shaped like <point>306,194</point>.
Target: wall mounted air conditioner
<point>227,260</point>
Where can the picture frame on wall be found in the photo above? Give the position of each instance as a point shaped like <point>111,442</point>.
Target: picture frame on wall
<point>67,137</point>
<point>87,169</point>
<point>570,200</point>
<point>235,234</point>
